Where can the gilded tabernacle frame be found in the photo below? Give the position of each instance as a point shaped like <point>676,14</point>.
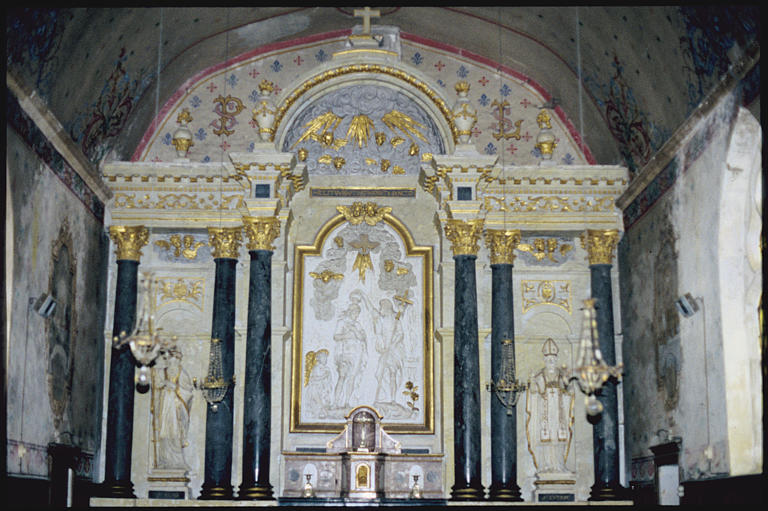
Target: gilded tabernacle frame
<point>362,324</point>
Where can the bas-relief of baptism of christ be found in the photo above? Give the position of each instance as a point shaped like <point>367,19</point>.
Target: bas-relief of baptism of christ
<point>363,317</point>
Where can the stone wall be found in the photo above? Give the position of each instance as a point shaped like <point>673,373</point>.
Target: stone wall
<point>55,372</point>
<point>682,370</point>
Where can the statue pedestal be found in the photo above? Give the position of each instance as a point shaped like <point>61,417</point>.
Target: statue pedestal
<point>555,487</point>
<point>168,484</point>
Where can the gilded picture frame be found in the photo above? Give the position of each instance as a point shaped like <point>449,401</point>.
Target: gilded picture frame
<point>358,341</point>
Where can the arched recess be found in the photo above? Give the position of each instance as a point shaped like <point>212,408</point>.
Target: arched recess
<point>739,268</point>
<point>409,82</point>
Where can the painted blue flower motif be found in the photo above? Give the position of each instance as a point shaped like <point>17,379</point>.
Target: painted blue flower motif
<point>231,80</point>
<point>201,134</point>
<point>195,102</point>
<point>254,96</point>
<point>484,100</point>
<point>321,56</point>
<point>490,148</point>
<point>505,90</point>
<point>568,159</point>
<point>441,83</point>
<point>276,66</point>
<point>207,159</point>
<point>417,58</point>
<point>167,139</point>
<point>462,72</point>
<point>251,146</point>
<point>536,152</point>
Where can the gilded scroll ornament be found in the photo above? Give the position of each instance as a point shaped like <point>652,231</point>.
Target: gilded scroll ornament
<point>225,241</point>
<point>261,232</point>
<point>600,244</point>
<point>464,235</point>
<point>129,241</point>
<point>369,212</point>
<point>185,246</point>
<point>501,244</point>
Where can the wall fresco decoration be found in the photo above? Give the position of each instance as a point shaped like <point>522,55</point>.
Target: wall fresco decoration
<point>41,146</point>
<point>507,106</point>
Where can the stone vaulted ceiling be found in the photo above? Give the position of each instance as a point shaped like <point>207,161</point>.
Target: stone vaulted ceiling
<point>626,77</point>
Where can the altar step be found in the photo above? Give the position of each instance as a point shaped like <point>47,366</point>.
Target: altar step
<point>332,503</point>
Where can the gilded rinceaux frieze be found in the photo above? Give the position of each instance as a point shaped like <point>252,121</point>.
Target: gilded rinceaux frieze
<point>190,201</point>
<point>546,292</point>
<point>549,203</point>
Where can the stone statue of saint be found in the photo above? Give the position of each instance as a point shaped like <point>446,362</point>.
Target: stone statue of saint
<point>172,391</point>
<point>351,354</point>
<point>549,410</point>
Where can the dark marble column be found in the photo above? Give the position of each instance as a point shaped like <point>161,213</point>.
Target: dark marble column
<point>466,368</point>
<point>258,371</point>
<point>219,417</point>
<point>122,365</point>
<point>600,246</point>
<point>501,245</point>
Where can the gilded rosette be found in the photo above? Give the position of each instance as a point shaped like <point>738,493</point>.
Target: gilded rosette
<point>261,232</point>
<point>225,241</point>
<point>502,244</point>
<point>600,245</point>
<point>464,235</point>
<point>129,241</point>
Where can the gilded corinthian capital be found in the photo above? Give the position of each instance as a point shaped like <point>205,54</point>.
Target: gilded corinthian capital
<point>464,235</point>
<point>600,244</point>
<point>501,244</point>
<point>261,232</point>
<point>129,241</point>
<point>225,241</point>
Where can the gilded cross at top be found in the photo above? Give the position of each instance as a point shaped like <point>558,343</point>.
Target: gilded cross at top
<point>366,14</point>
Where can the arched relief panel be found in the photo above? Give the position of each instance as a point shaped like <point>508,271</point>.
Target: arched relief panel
<point>362,325</point>
<point>364,128</point>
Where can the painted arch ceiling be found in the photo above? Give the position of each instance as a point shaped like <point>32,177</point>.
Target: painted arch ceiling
<point>624,78</point>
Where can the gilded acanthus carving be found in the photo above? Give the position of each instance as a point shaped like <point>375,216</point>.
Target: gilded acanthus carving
<point>464,235</point>
<point>225,241</point>
<point>129,241</point>
<point>261,232</point>
<point>501,245</point>
<point>600,244</point>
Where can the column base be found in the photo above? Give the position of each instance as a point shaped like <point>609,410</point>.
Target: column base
<point>116,490</point>
<point>603,492</point>
<point>470,493</point>
<point>209,492</point>
<point>509,494</point>
<point>255,492</point>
